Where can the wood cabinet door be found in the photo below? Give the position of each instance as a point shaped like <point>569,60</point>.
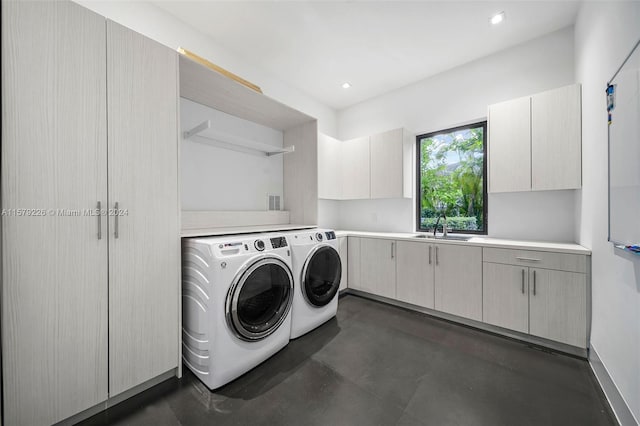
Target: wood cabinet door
<point>505,296</point>
<point>353,253</point>
<point>458,280</point>
<point>414,273</point>
<point>355,169</point>
<point>556,139</point>
<point>144,257</point>
<point>558,306</point>
<point>329,168</point>
<point>54,266</point>
<point>509,148</point>
<point>343,249</point>
<point>387,166</point>
<point>378,266</point>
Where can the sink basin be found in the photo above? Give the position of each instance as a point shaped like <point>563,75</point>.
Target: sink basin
<point>442,237</point>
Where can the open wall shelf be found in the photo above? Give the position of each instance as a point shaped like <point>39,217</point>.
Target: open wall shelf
<point>221,139</point>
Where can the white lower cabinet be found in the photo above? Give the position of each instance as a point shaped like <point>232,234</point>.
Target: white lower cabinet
<point>543,294</point>
<point>505,296</point>
<point>353,253</point>
<point>546,303</point>
<point>558,306</point>
<point>378,267</point>
<point>445,277</point>
<point>415,273</point>
<point>343,250</point>
<point>458,280</point>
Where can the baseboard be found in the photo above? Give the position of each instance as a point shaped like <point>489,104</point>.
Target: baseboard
<point>118,398</point>
<point>619,406</point>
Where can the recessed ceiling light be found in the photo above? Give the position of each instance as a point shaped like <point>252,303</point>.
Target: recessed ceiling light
<point>346,85</point>
<point>497,18</point>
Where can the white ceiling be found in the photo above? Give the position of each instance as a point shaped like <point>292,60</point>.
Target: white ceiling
<point>377,46</point>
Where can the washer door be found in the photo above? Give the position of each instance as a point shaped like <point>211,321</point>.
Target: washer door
<point>321,275</point>
<point>259,298</point>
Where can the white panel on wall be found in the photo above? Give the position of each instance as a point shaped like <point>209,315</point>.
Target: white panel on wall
<point>538,216</point>
<point>215,178</point>
<point>390,215</point>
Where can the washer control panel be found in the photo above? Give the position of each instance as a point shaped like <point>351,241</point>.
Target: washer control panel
<point>278,242</point>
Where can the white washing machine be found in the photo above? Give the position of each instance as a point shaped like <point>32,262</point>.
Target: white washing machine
<point>237,292</point>
<point>317,270</point>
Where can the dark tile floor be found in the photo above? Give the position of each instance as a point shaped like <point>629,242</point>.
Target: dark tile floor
<point>380,365</point>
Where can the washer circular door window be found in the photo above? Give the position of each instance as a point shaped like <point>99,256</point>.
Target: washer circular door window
<point>321,275</point>
<point>259,298</point>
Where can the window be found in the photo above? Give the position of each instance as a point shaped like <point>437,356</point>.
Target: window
<point>452,179</point>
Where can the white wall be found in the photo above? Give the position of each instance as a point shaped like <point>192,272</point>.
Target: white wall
<point>216,178</point>
<point>165,28</point>
<point>461,96</point>
<point>605,34</point>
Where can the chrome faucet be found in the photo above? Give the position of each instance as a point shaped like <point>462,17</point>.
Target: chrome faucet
<point>444,225</point>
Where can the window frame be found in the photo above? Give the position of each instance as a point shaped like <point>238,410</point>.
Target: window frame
<point>485,196</point>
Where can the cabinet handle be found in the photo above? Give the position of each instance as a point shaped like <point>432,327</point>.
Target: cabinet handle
<point>529,259</point>
<point>392,249</point>
<point>437,262</point>
<point>99,208</point>
<point>523,281</point>
<point>534,283</point>
<point>115,228</point>
<point>429,255</point>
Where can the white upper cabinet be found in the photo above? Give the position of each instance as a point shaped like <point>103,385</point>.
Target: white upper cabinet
<point>535,142</point>
<point>391,164</point>
<point>329,168</point>
<point>556,160</point>
<point>379,166</point>
<point>510,146</point>
<point>355,169</point>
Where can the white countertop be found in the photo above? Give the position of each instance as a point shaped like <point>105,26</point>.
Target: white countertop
<point>481,241</point>
<point>233,230</point>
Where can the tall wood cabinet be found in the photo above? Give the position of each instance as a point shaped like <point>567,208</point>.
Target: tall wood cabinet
<point>144,257</point>
<point>76,300</point>
<point>54,268</point>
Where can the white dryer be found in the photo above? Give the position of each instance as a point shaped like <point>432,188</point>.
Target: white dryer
<point>237,292</point>
<point>317,270</point>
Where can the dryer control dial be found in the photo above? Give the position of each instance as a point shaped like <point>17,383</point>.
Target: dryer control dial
<point>319,236</point>
<point>259,245</point>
